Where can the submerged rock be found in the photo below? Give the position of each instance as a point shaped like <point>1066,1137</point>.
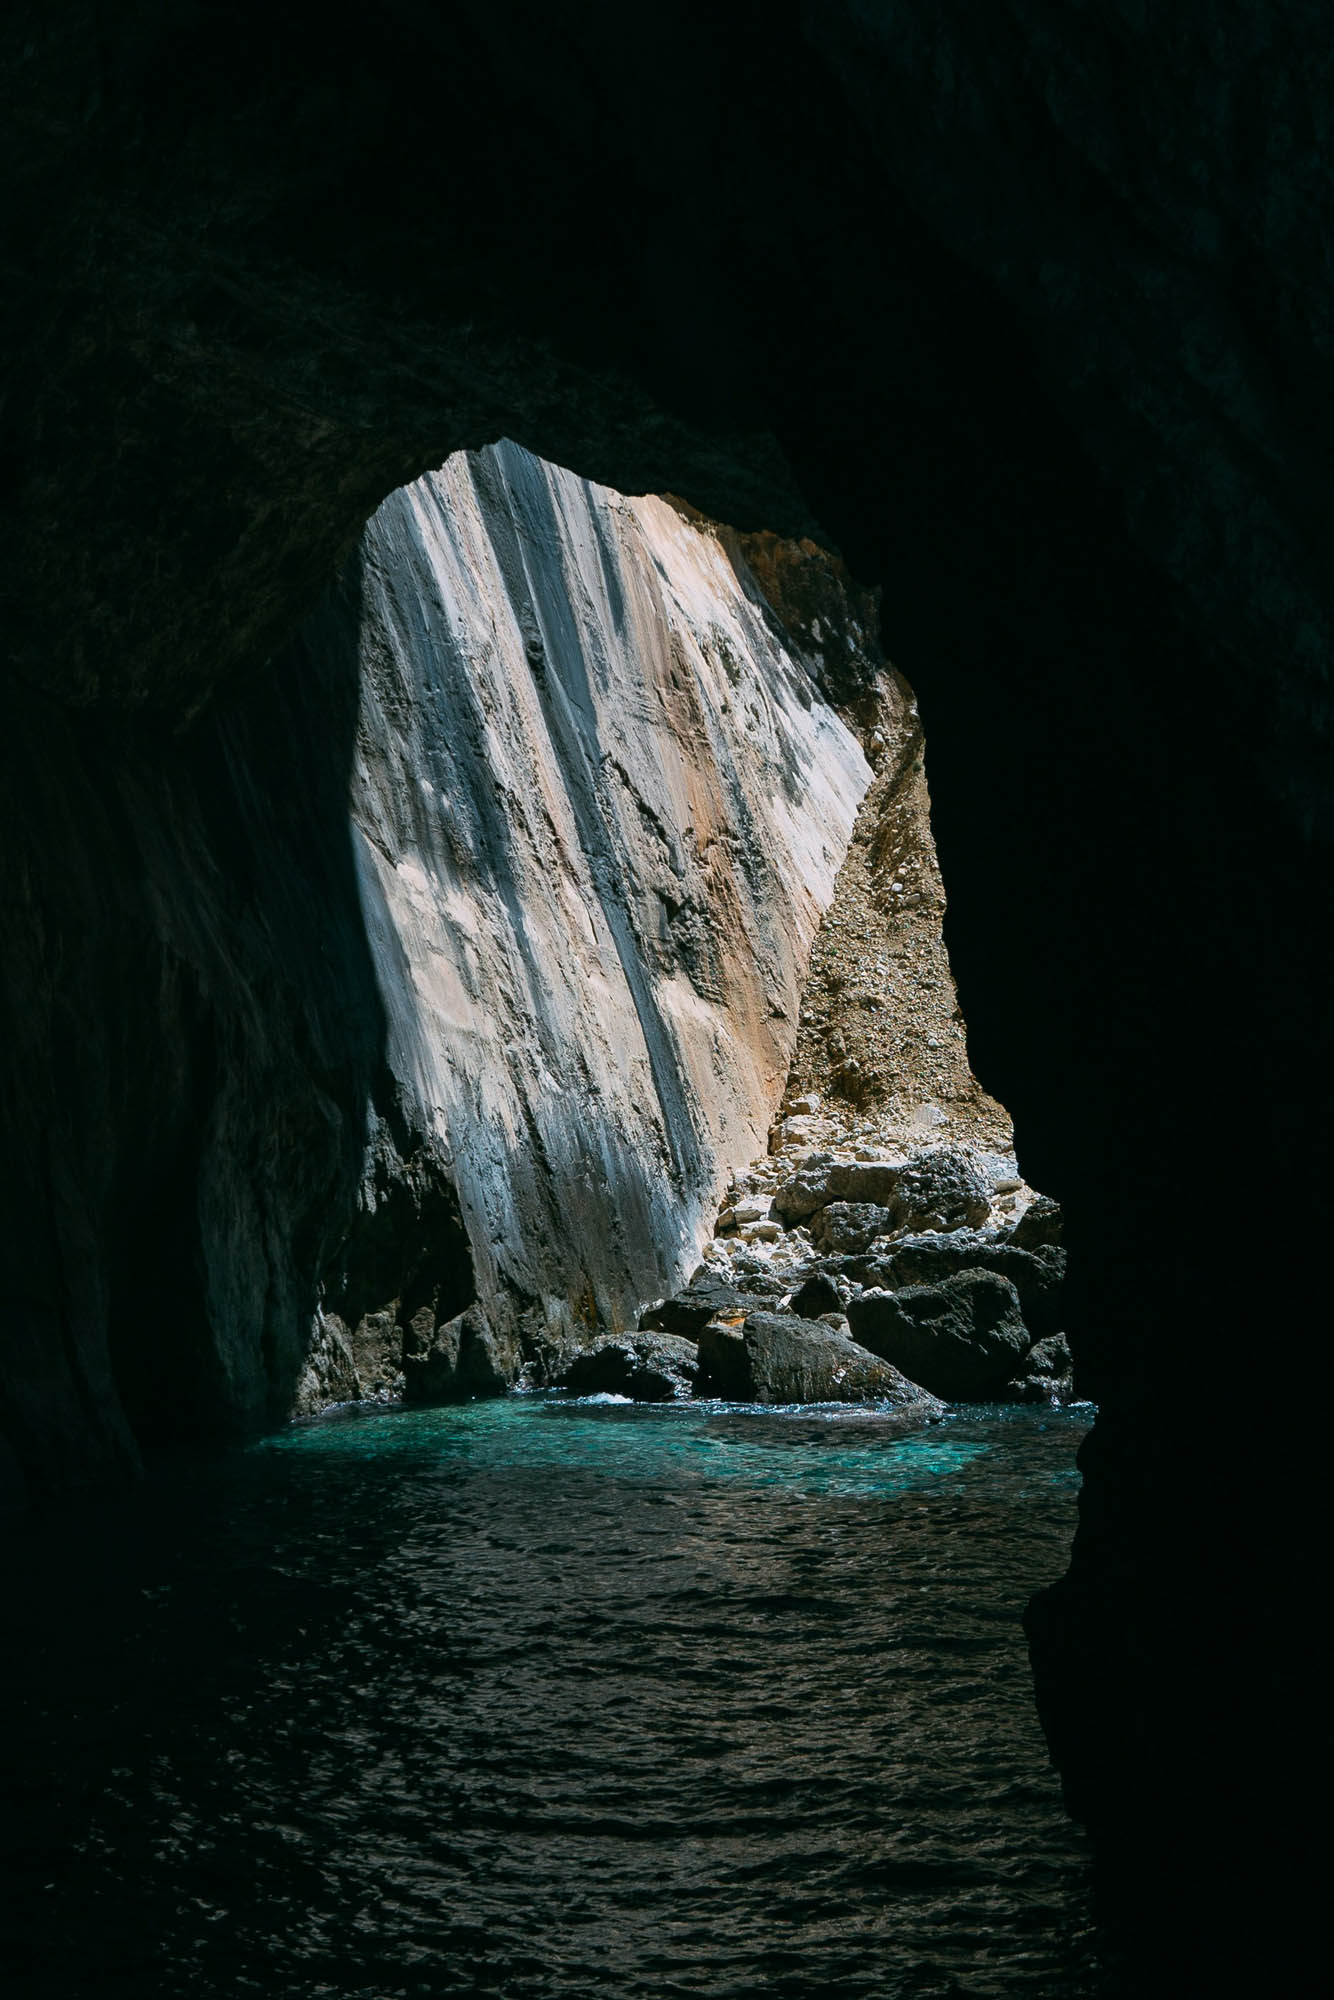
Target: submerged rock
<point>648,1367</point>
<point>778,1358</point>
<point>964,1339</point>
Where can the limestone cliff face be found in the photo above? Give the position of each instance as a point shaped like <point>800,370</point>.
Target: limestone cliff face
<point>598,807</point>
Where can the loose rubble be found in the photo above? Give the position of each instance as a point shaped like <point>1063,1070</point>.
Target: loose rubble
<point>844,1270</point>
<point>822,1285</point>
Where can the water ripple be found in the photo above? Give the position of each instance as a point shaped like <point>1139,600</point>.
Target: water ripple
<point>549,1700</point>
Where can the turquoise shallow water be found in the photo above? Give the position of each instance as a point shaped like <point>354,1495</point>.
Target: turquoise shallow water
<point>547,1699</point>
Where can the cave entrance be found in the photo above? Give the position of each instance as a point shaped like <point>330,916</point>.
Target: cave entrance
<point>644,842</point>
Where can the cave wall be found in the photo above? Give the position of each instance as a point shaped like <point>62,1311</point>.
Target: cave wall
<point>1028,306</point>
<point>184,944</point>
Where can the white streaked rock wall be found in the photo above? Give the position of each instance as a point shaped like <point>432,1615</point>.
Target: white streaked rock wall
<point>598,810</point>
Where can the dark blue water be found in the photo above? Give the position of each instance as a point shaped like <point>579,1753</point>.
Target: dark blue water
<point>545,1699</point>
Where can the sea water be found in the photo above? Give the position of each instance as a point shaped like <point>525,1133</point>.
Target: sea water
<point>540,1698</point>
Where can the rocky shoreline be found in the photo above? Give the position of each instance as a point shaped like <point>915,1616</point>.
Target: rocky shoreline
<point>849,1268</point>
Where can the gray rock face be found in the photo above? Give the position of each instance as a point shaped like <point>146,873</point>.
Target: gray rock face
<point>778,1358</point>
<point>963,1339</point>
<point>648,1367</point>
<point>944,1188</point>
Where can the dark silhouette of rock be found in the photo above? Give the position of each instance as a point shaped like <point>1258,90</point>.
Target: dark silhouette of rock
<point>962,1339</point>
<point>1040,1225</point>
<point>459,1359</point>
<point>1049,1357</point>
<point>778,1358</point>
<point>649,1367</point>
<point>1037,1275</point>
<point>1047,1375</point>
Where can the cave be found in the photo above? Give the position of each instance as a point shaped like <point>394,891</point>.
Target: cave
<point>1022,311</point>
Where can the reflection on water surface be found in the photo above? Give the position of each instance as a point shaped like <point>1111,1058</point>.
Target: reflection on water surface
<point>540,1698</point>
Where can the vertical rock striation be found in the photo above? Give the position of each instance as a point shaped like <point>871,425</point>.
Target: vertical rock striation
<point>598,806</point>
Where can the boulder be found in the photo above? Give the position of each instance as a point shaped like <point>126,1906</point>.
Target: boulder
<point>944,1189</point>
<point>819,1294</point>
<point>845,1227</point>
<point>709,1298</point>
<point>463,1357</point>
<point>778,1358</point>
<point>648,1367</point>
<point>1049,1357</point>
<point>1048,1374</point>
<point>823,1180</point>
<point>1040,1389</point>
<point>1039,1226</point>
<point>1037,1275</point>
<point>963,1339</point>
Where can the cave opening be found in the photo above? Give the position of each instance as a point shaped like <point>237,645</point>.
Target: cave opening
<point>671,1123</point>
<point>644,857</point>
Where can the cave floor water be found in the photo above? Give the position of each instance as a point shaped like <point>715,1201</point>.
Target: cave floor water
<point>539,1698</point>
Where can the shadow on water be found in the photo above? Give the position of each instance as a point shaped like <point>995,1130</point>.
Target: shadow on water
<point>549,1698</point>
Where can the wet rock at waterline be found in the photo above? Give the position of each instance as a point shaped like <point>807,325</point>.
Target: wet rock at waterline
<point>1048,1375</point>
<point>963,1339</point>
<point>778,1358</point>
<point>647,1367</point>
